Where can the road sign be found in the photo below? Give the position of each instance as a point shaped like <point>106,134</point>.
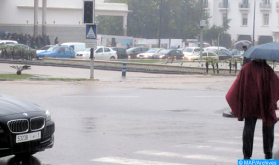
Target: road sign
<point>91,36</point>
<point>91,32</point>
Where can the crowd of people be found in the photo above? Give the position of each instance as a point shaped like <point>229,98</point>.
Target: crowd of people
<point>33,42</point>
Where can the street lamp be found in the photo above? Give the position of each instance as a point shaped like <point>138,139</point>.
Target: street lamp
<point>160,25</point>
<point>254,23</point>
<point>202,23</point>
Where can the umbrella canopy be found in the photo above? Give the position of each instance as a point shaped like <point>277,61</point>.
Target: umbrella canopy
<point>239,44</point>
<point>269,52</point>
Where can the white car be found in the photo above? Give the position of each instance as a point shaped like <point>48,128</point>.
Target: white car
<point>101,53</point>
<point>43,49</point>
<point>215,48</point>
<point>196,56</point>
<point>149,53</point>
<point>188,51</point>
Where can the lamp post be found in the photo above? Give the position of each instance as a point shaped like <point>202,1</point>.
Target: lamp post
<point>201,26</point>
<point>254,23</point>
<point>160,25</point>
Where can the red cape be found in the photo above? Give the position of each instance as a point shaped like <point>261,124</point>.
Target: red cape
<point>255,93</point>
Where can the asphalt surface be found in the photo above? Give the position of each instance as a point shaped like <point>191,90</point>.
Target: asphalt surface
<point>143,119</point>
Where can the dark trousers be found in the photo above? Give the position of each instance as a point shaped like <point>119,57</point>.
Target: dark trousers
<point>248,138</point>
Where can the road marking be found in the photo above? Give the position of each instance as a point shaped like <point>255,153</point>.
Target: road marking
<point>211,148</point>
<point>116,160</point>
<point>104,96</point>
<point>211,96</point>
<point>233,143</point>
<point>196,156</point>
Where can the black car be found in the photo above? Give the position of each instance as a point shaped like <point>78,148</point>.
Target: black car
<point>121,53</point>
<point>19,51</point>
<point>133,52</point>
<point>168,54</point>
<point>25,128</point>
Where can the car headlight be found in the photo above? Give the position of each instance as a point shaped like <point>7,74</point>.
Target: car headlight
<point>48,116</point>
<point>161,56</point>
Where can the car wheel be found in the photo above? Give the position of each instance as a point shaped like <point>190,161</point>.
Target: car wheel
<point>25,154</point>
<point>112,58</point>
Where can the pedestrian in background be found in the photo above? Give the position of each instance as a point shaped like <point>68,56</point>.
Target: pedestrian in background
<point>253,95</point>
<point>245,59</point>
<point>56,41</point>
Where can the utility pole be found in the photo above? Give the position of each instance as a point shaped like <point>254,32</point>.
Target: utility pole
<point>202,22</point>
<point>35,18</point>
<point>160,25</point>
<point>44,17</point>
<point>254,23</point>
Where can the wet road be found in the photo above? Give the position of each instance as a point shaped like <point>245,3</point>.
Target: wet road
<point>144,119</point>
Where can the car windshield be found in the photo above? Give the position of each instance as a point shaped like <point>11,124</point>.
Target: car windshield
<point>164,51</point>
<point>44,48</point>
<point>188,50</point>
<point>53,49</point>
<point>131,49</point>
<point>196,54</point>
<point>152,51</point>
<point>87,50</point>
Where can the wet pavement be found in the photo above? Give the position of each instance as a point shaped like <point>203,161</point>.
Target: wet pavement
<point>143,119</point>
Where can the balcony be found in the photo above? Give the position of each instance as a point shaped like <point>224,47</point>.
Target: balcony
<point>244,6</point>
<point>265,6</point>
<point>224,7</point>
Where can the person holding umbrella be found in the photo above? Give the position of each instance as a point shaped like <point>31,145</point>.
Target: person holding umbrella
<point>245,59</point>
<point>254,94</point>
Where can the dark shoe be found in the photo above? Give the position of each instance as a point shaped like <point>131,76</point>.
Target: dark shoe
<point>268,156</point>
<point>245,157</point>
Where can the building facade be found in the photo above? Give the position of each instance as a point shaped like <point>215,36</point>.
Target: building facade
<point>63,18</point>
<point>265,26</point>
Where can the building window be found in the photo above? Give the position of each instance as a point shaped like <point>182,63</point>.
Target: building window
<point>225,4</point>
<point>245,3</point>
<point>266,19</point>
<point>244,19</point>
<point>266,1</point>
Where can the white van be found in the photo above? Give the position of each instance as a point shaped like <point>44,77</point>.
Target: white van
<point>77,46</point>
<point>4,42</point>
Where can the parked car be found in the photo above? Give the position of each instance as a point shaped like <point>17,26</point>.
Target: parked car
<point>19,51</point>
<point>168,54</point>
<point>58,52</point>
<point>238,55</point>
<point>223,55</point>
<point>215,48</point>
<point>25,128</point>
<point>101,53</point>
<point>196,56</point>
<point>105,53</point>
<point>76,46</point>
<point>133,52</point>
<point>149,53</point>
<point>121,53</point>
<point>83,54</point>
<point>43,49</point>
<point>188,51</point>
<point>4,42</point>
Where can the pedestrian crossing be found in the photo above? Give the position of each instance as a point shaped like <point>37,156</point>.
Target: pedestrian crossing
<point>215,152</point>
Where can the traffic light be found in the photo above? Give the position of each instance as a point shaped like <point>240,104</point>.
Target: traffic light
<point>88,12</point>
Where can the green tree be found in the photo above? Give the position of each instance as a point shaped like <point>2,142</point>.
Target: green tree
<point>180,19</point>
